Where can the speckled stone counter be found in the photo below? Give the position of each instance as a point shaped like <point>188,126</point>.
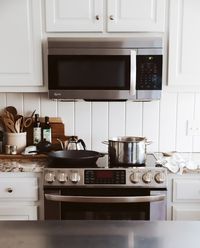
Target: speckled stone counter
<point>22,163</point>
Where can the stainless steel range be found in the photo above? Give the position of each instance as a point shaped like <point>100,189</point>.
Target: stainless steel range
<point>137,193</point>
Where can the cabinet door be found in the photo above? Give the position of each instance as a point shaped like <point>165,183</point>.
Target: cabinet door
<point>136,16</point>
<point>18,213</point>
<point>20,44</point>
<point>184,40</point>
<point>74,15</point>
<point>186,190</point>
<point>186,212</point>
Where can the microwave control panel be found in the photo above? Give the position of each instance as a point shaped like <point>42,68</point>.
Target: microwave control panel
<point>149,72</point>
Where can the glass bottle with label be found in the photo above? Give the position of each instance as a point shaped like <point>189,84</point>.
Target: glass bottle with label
<point>47,130</point>
<point>37,131</point>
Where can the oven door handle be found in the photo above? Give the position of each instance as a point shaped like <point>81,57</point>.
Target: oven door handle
<point>103,199</point>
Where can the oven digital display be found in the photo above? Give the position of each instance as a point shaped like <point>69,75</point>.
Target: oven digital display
<point>105,177</point>
<point>104,174</point>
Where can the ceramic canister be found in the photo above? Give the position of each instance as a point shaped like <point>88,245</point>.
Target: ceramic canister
<point>18,140</point>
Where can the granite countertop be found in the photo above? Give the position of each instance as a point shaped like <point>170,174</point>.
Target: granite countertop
<point>36,163</point>
<point>22,163</point>
<point>99,234</point>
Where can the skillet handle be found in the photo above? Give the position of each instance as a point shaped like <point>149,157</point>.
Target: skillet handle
<point>105,142</point>
<point>101,155</point>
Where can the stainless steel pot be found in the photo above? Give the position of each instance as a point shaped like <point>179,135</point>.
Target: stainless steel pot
<point>125,151</point>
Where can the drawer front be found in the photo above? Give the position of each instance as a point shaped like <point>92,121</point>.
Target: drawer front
<point>19,189</point>
<point>186,190</point>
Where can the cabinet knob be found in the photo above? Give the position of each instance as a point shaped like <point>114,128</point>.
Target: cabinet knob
<point>9,190</point>
<point>112,17</point>
<point>97,17</point>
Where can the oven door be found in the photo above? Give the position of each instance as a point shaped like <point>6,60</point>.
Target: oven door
<point>105,204</point>
<point>92,74</point>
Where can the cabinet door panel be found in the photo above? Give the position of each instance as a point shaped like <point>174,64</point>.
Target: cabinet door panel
<point>18,213</point>
<point>184,40</point>
<point>74,15</point>
<point>20,43</point>
<point>186,212</point>
<point>136,16</point>
<point>186,190</point>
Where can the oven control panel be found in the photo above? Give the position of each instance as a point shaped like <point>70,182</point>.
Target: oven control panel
<point>145,177</point>
<point>105,177</point>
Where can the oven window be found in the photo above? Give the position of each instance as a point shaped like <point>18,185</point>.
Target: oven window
<point>82,72</point>
<point>105,211</point>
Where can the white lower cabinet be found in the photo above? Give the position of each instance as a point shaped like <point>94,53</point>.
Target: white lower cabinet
<point>184,197</point>
<point>186,212</point>
<point>18,213</point>
<point>18,196</point>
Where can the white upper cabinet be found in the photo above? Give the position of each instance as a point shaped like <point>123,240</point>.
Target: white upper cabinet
<point>74,15</point>
<point>105,16</point>
<point>20,45</point>
<point>136,15</point>
<point>184,43</point>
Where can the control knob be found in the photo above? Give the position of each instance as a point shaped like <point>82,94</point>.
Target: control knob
<point>74,177</point>
<point>50,177</point>
<point>147,177</point>
<point>159,177</point>
<point>62,177</point>
<point>135,177</point>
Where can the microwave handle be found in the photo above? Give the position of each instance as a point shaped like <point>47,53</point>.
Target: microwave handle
<point>133,73</point>
<point>102,199</point>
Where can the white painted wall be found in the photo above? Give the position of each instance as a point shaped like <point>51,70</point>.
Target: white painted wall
<point>163,122</point>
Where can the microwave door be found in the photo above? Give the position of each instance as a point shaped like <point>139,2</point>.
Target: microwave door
<point>133,73</point>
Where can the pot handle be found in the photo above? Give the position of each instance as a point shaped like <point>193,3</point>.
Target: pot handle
<point>105,142</point>
<point>148,142</point>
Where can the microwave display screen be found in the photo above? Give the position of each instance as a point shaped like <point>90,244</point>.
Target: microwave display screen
<point>89,72</point>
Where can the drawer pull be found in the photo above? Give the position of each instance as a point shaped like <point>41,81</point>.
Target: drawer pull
<point>9,190</point>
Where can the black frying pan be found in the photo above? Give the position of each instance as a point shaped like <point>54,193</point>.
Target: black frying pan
<point>73,158</point>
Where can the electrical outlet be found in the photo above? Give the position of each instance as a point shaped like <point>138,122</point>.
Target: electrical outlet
<point>193,128</point>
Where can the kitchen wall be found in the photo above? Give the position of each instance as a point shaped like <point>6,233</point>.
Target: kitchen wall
<point>163,122</point>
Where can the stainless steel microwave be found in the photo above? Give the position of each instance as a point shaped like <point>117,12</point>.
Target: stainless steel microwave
<point>105,68</point>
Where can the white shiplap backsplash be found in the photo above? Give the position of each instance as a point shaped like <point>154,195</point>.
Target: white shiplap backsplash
<point>162,122</point>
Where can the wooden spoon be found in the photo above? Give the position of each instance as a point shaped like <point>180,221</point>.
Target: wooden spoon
<point>11,110</point>
<point>18,124</point>
<point>9,115</point>
<point>9,124</point>
<point>21,122</point>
